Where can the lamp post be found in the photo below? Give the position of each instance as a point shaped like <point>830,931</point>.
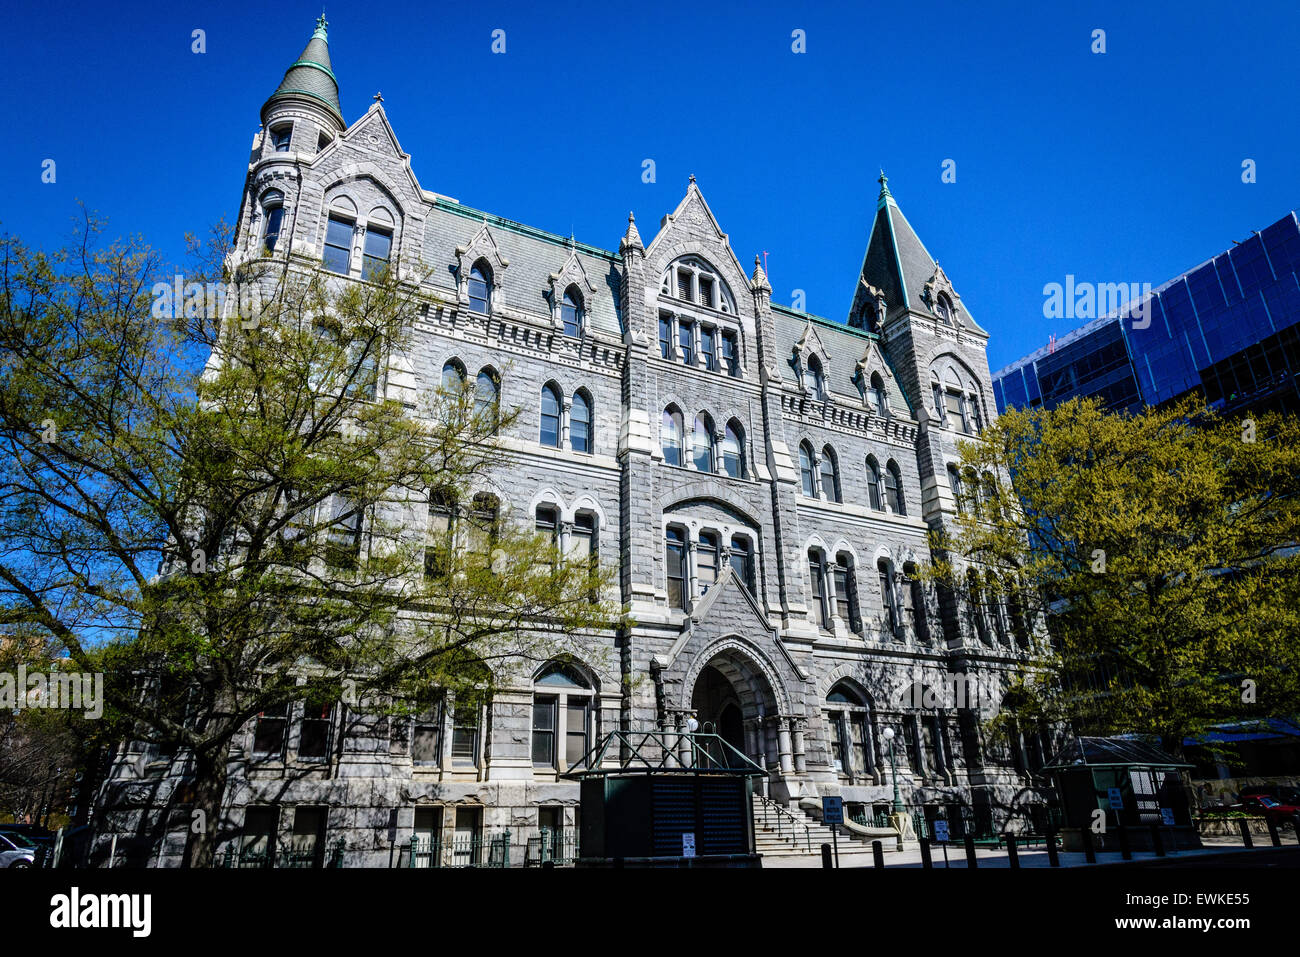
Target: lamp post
<point>893,767</point>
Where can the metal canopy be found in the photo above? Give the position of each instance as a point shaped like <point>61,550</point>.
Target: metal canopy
<point>663,752</point>
<point>1111,752</point>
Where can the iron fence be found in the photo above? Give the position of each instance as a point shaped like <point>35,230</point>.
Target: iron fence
<point>464,850</point>
<point>330,856</point>
<point>558,846</point>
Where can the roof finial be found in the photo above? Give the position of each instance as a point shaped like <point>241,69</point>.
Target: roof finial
<point>692,178</point>
<point>378,97</point>
<point>884,185</point>
<point>321,25</point>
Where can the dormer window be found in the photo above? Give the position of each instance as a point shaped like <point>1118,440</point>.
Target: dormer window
<point>480,287</point>
<point>878,399</point>
<point>273,210</point>
<point>943,307</point>
<point>280,137</point>
<point>813,380</point>
<point>571,312</point>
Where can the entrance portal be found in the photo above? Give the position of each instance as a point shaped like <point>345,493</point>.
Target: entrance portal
<point>733,699</point>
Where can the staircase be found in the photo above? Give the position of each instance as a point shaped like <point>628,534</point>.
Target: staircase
<point>789,832</point>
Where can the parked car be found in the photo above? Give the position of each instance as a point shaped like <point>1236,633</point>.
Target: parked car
<point>1282,793</point>
<point>1268,808</point>
<point>16,851</point>
<point>42,842</point>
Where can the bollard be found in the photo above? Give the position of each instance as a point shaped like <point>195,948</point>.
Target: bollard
<point>1125,851</point>
<point>1245,832</point>
<point>826,855</point>
<point>878,853</point>
<point>548,865</point>
<point>1273,834</point>
<point>971,860</point>
<point>1013,855</point>
<point>925,853</point>
<point>1089,852</point>
<point>1157,841</point>
<point>1053,857</point>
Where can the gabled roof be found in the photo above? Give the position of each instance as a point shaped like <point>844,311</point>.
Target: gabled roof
<point>312,76</point>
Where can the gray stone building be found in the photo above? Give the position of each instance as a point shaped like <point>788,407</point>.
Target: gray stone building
<point>766,481</point>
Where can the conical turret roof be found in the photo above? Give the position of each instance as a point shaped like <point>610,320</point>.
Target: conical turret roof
<point>311,76</point>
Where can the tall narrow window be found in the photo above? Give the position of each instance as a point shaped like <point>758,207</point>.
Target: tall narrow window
<point>846,591</point>
<point>676,568</point>
<point>806,475</point>
<point>280,138</point>
<point>706,560</point>
<point>708,348</point>
<point>343,533</point>
<point>684,285</point>
<point>873,484</point>
<point>426,736</point>
<point>487,399</point>
<point>878,394</point>
<point>812,377</point>
<point>686,341</point>
<point>742,561</point>
<point>379,245</point>
<point>830,476</point>
<point>936,392</point>
<point>582,542</point>
<point>437,549</point>
<point>817,579</point>
<point>481,528</point>
<point>580,422</point>
<point>545,720</point>
<point>706,290</point>
<point>273,209</point>
<point>271,731</point>
<point>894,488</point>
<point>733,451</point>
<point>730,354</point>
<point>548,524</point>
<point>480,287</point>
<point>914,597</point>
<point>703,437</point>
<point>314,738</point>
<point>550,433</point>
<point>671,436</point>
<point>665,337</point>
<point>943,306</point>
<point>464,733</point>
<point>887,600</point>
<point>954,482</point>
<point>338,245</point>
<point>571,312</point>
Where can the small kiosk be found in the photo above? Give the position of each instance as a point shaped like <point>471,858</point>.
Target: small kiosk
<point>671,800</point>
<point>1134,785</point>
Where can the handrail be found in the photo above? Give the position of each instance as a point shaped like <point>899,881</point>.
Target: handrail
<point>770,807</point>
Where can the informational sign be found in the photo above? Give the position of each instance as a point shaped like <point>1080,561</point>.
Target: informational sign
<point>833,810</point>
<point>1167,815</point>
<point>688,844</point>
<point>941,831</point>
<point>1116,799</point>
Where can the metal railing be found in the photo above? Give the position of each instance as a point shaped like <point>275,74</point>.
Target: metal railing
<point>559,847</point>
<point>787,826</point>
<point>465,850</point>
<point>288,858</point>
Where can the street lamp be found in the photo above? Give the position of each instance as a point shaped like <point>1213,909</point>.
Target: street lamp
<point>898,801</point>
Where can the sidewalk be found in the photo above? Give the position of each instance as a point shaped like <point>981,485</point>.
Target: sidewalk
<point>910,856</point>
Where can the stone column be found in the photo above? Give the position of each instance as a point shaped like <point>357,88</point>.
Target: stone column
<point>784,747</point>
<point>566,537</point>
<point>692,581</point>
<point>796,733</point>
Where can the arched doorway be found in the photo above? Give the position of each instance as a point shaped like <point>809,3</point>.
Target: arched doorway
<point>732,697</point>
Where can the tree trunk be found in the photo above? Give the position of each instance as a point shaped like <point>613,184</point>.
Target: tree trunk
<point>209,789</point>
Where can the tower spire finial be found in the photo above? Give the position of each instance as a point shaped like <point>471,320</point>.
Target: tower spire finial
<point>322,26</point>
<point>884,185</point>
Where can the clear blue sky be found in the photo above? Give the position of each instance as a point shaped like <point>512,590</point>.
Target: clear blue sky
<point>1124,166</point>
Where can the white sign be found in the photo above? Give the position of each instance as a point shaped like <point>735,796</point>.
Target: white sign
<point>688,844</point>
<point>941,830</point>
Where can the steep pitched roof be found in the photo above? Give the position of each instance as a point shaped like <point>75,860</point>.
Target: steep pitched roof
<point>896,261</point>
<point>312,76</point>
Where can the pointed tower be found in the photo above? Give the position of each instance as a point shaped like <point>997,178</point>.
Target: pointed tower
<point>303,114</point>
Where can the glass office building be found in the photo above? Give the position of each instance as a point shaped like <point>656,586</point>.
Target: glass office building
<point>1230,329</point>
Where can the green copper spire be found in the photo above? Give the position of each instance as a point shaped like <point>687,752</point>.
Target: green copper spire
<point>311,77</point>
<point>884,187</point>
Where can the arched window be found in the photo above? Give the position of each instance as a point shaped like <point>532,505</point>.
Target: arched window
<point>550,434</point>
<point>943,306</point>
<point>580,422</point>
<point>487,398</point>
<point>281,136</point>
<point>975,606</point>
<point>733,450</point>
<point>742,561</point>
<point>571,312</point>
<point>848,716</point>
<point>846,591</point>
<point>453,379</point>
<point>958,492</point>
<point>830,477</point>
<point>482,527</point>
<point>438,544</point>
<point>894,488</point>
<point>806,474</point>
<point>993,603</point>
<point>888,600</point>
<point>878,400</point>
<point>970,483</point>
<point>706,560</point>
<point>695,281</point>
<point>813,380</point>
<point>817,582</point>
<point>873,484</point>
<point>670,435</point>
<point>989,490</point>
<point>562,716</point>
<point>676,567</point>
<point>914,603</point>
<point>273,210</point>
<point>480,287</point>
<point>703,439</point>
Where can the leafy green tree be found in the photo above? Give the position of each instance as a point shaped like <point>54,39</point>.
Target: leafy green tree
<point>219,502</point>
<point>1161,547</point>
